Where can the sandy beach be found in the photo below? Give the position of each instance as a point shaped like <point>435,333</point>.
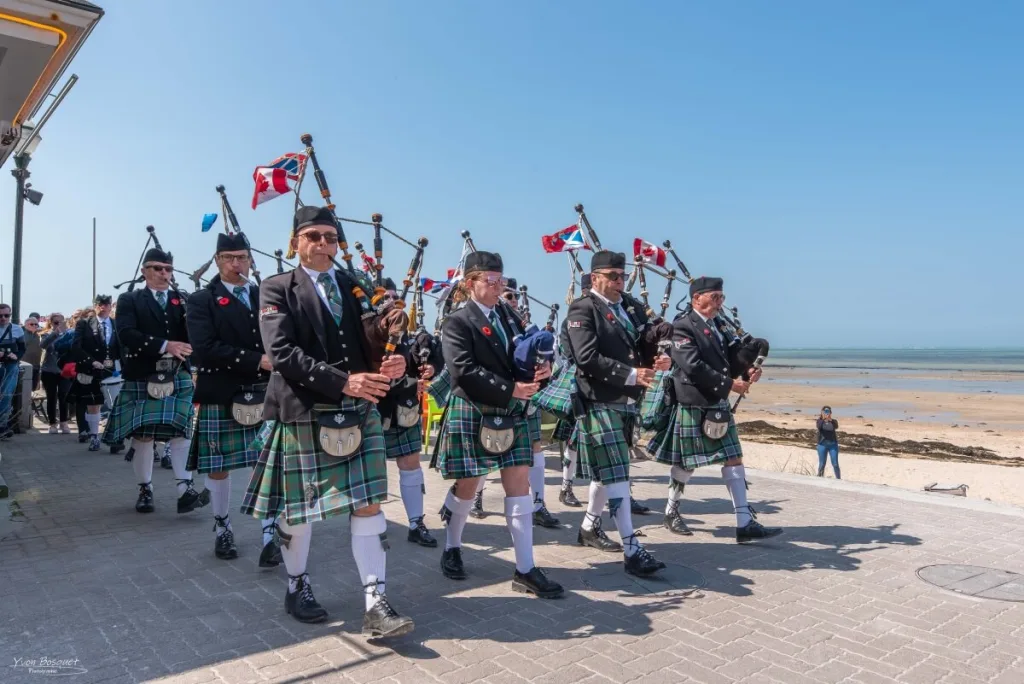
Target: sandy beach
<point>970,433</point>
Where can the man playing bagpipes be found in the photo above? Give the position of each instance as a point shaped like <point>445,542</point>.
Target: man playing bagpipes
<point>94,351</point>
<point>486,425</point>
<point>325,454</point>
<point>612,370</point>
<point>155,402</point>
<point>690,410</point>
<point>403,430</point>
<point>231,382</point>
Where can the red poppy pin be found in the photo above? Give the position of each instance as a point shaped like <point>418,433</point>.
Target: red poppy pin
<point>223,301</point>
<point>706,331</point>
<point>175,301</point>
<point>611,317</point>
<point>486,331</point>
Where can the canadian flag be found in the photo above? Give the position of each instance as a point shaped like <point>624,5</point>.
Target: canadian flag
<point>272,179</point>
<point>652,254</point>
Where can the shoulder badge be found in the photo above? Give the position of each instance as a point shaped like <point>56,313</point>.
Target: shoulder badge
<point>679,344</point>
<point>574,324</point>
<point>268,311</point>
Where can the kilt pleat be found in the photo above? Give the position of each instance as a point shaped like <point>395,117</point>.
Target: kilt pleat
<point>556,397</point>
<point>401,441</point>
<point>460,454</point>
<point>682,442</point>
<point>602,443</point>
<point>563,430</point>
<point>656,404</point>
<point>220,443</point>
<point>441,387</point>
<point>533,423</point>
<point>136,414</point>
<point>295,479</point>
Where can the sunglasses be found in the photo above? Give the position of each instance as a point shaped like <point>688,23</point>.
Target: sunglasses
<point>164,269</point>
<point>494,281</point>
<point>3,315</point>
<point>613,276</point>
<point>316,236</point>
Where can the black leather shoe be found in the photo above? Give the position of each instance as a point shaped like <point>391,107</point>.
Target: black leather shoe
<point>83,437</point>
<point>145,502</point>
<point>568,498</point>
<point>189,501</point>
<point>754,530</point>
<point>544,518</point>
<point>421,535</point>
<point>477,511</point>
<point>675,525</point>
<point>165,463</point>
<point>301,604</point>
<point>638,508</point>
<point>270,556</point>
<point>117,448</point>
<point>382,620</point>
<point>643,564</point>
<point>536,582</point>
<point>225,546</point>
<point>451,564</point>
<point>597,539</point>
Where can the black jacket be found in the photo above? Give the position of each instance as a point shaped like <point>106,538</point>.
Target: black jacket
<point>143,327</point>
<point>481,368</point>
<point>702,374</point>
<point>90,344</point>
<point>604,351</point>
<point>312,358</point>
<point>226,342</point>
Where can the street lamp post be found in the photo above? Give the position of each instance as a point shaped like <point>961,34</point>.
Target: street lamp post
<point>21,174</point>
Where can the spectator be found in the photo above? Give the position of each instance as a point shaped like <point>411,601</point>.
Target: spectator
<point>12,348</point>
<point>55,385</point>
<point>828,441</point>
<point>33,352</point>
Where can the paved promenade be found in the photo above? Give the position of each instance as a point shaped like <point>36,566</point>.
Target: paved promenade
<point>120,597</point>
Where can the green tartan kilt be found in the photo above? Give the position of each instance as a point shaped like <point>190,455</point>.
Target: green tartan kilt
<point>441,387</point>
<point>220,443</point>
<point>563,430</point>
<point>135,414</point>
<point>603,445</point>
<point>556,397</point>
<point>533,424</point>
<point>296,479</point>
<point>401,441</point>
<point>656,406</point>
<point>683,443</point>
<point>460,454</point>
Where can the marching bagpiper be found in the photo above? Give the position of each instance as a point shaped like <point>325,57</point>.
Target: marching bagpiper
<point>325,453</point>
<point>700,429</point>
<point>231,381</point>
<point>403,434</point>
<point>610,376</point>
<point>486,427</point>
<point>155,402</point>
<point>95,350</point>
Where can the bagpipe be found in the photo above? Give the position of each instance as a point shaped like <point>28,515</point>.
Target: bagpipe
<point>131,283</point>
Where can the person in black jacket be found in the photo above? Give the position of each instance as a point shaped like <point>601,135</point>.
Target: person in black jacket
<point>701,430</point>
<point>611,374</point>
<point>155,402</point>
<point>325,455</point>
<point>486,425</point>
<point>231,379</point>
<point>94,352</point>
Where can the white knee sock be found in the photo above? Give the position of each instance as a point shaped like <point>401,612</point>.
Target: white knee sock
<point>569,468</point>
<point>179,457</point>
<point>142,464</point>
<point>220,495</point>
<point>297,551</point>
<point>519,516</point>
<point>371,559</point>
<point>618,507</point>
<point>537,480</point>
<point>459,514</point>
<point>679,478</point>
<point>93,420</point>
<point>268,532</point>
<point>597,498</point>
<point>411,484</point>
<point>481,484</point>
<point>736,480</point>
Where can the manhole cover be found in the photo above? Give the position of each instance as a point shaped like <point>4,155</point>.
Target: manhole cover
<point>674,580</point>
<point>974,580</point>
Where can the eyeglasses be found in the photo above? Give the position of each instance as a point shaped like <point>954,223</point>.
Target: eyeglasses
<point>5,315</point>
<point>494,281</point>
<point>715,296</point>
<point>614,276</point>
<point>158,269</point>
<point>317,236</point>
<point>233,257</point>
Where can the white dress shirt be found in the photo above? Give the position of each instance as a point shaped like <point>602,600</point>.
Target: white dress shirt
<point>314,275</point>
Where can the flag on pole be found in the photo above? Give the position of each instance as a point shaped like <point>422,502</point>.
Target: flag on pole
<point>272,180</point>
<point>651,253</point>
<point>565,240</point>
<point>208,221</point>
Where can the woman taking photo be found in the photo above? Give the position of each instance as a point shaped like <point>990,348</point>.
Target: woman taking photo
<point>55,386</point>
<point>828,443</point>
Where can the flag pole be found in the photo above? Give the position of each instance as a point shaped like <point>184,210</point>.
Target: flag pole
<point>94,258</point>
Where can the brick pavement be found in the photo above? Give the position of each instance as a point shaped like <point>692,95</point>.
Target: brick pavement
<point>142,598</point>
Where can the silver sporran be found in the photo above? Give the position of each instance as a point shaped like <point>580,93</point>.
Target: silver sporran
<point>497,434</point>
<point>716,423</point>
<point>340,433</point>
<point>247,407</point>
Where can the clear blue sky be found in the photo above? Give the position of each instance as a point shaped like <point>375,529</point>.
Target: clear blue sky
<point>855,171</point>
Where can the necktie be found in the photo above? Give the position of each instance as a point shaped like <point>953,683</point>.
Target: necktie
<point>333,296</point>
<point>161,299</point>
<point>499,329</point>
<point>106,331</point>
<point>624,319</point>
<point>241,291</point>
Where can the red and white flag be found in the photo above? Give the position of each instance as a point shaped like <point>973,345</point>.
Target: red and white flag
<point>272,179</point>
<point>652,254</point>
<point>565,240</point>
